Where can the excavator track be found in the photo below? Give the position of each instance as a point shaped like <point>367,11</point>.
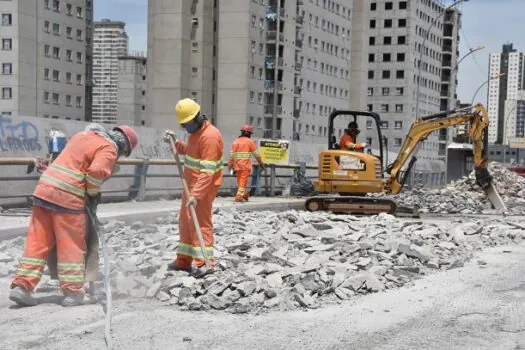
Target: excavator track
<point>351,205</point>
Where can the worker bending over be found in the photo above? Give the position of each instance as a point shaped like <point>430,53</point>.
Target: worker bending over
<point>59,218</point>
<point>203,166</point>
<point>349,139</point>
<point>242,150</point>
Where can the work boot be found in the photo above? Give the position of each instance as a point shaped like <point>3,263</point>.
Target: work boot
<point>172,267</point>
<point>22,297</point>
<point>72,299</point>
<point>239,200</point>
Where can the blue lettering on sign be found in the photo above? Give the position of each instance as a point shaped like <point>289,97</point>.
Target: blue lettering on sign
<point>22,136</point>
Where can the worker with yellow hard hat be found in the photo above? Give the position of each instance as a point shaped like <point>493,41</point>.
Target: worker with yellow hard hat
<point>203,167</point>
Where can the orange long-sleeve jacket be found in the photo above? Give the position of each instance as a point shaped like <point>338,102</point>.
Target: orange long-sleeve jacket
<point>241,152</point>
<point>348,142</point>
<point>84,165</point>
<point>203,162</point>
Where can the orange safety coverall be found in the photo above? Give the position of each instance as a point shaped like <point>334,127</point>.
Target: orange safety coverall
<point>241,152</point>
<point>203,166</point>
<point>86,162</point>
<point>348,143</point>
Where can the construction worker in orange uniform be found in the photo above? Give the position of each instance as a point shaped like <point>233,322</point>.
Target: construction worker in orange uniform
<point>203,168</point>
<point>348,140</point>
<point>242,150</point>
<point>59,219</point>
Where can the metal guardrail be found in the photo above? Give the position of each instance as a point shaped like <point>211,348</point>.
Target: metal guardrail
<point>139,189</point>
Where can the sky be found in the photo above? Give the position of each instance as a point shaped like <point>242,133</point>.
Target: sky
<point>491,23</point>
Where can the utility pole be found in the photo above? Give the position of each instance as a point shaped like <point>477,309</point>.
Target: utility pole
<point>276,71</point>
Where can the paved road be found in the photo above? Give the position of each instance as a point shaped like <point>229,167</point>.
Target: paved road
<point>475,307</point>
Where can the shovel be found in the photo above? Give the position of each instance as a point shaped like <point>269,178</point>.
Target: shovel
<point>192,208</point>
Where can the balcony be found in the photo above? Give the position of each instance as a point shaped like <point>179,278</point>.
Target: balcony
<point>268,109</point>
<point>297,90</point>
<point>271,35</point>
<point>299,44</point>
<point>447,48</point>
<point>299,20</point>
<point>270,62</point>
<point>269,86</point>
<point>298,66</point>
<point>447,63</point>
<point>271,13</point>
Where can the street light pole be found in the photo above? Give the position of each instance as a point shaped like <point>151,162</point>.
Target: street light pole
<point>484,83</point>
<point>422,50</point>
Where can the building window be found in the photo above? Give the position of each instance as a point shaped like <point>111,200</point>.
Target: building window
<point>68,100</point>
<point>254,20</point>
<point>56,5</point>
<point>402,5</point>
<point>369,108</point>
<point>386,91</point>
<point>386,74</point>
<point>252,97</point>
<point>7,44</point>
<point>401,40</point>
<point>398,124</point>
<point>388,23</point>
<point>69,9</point>
<point>56,75</point>
<point>7,93</point>
<point>372,40</point>
<point>68,78</point>
<point>79,102</point>
<point>69,55</point>
<point>79,79</point>
<point>401,57</point>
<point>387,40</point>
<point>402,23</point>
<point>79,34</point>
<point>46,4</point>
<point>369,124</point>
<point>386,57</point>
<point>69,32</point>
<point>7,68</point>
<point>389,5</point>
<point>384,124</point>
<point>56,98</point>
<point>56,29</point>
<point>399,108</point>
<point>46,96</point>
<point>373,6</point>
<point>372,23</point>
<point>370,74</point>
<point>56,52</point>
<point>79,57</point>
<point>80,12</point>
<point>7,19</point>
<point>46,73</point>
<point>370,91</point>
<point>384,109</point>
<point>371,57</point>
<point>398,141</point>
<point>400,74</point>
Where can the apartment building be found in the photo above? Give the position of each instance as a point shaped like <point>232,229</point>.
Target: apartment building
<point>398,33</point>
<point>110,42</point>
<point>131,87</point>
<point>504,93</point>
<point>44,57</point>
<point>280,65</point>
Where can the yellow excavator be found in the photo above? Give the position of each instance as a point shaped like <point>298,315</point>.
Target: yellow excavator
<point>347,177</point>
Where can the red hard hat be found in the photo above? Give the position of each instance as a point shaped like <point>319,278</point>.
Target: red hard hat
<point>247,128</point>
<point>131,135</point>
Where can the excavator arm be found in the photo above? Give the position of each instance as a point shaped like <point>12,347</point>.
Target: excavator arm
<point>478,120</point>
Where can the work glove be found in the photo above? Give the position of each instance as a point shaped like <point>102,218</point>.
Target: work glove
<point>192,202</point>
<point>360,145</point>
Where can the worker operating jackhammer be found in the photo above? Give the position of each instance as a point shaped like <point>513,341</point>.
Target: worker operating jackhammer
<point>59,221</point>
<point>242,150</point>
<point>203,168</point>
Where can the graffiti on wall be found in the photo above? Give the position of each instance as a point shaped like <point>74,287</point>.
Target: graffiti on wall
<point>22,136</point>
<point>158,149</point>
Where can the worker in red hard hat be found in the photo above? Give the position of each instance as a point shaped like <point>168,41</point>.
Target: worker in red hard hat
<point>242,150</point>
<point>59,220</point>
<point>349,139</point>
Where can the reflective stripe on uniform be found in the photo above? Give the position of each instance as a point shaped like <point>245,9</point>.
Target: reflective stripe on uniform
<point>71,272</point>
<point>194,252</point>
<point>205,166</point>
<point>94,181</point>
<point>68,172</point>
<point>63,185</point>
<point>240,155</point>
<point>29,273</point>
<point>32,261</point>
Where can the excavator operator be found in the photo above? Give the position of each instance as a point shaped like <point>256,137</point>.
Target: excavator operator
<point>348,140</point>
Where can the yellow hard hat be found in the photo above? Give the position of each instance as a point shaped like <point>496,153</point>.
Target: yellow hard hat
<point>186,109</point>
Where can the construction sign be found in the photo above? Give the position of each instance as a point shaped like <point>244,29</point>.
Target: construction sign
<point>275,152</point>
<point>517,142</point>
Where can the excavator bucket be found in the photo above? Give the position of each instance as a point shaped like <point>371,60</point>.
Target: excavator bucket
<point>484,180</point>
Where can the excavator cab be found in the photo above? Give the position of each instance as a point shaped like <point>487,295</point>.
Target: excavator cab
<point>350,173</point>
